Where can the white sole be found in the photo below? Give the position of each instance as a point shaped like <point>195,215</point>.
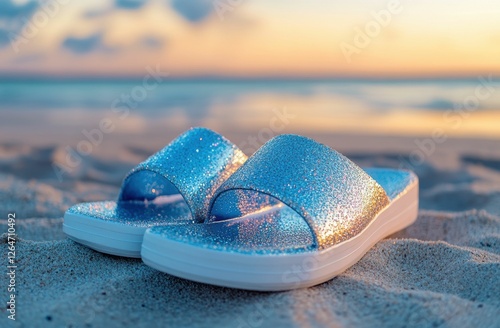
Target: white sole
<point>104,236</point>
<point>275,272</point>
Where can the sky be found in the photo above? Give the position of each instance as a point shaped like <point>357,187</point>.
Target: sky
<point>250,38</point>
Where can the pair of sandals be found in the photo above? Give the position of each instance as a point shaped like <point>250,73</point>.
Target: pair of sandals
<point>295,214</point>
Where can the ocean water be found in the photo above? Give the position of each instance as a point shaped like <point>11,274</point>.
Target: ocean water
<point>390,107</point>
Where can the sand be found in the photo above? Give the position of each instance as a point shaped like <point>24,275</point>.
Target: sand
<point>442,271</point>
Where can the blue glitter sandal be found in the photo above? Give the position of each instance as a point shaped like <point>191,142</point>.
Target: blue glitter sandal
<point>324,213</point>
<point>173,187</point>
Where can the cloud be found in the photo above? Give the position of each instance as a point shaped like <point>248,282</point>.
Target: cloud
<point>9,9</point>
<point>12,18</point>
<point>151,42</point>
<point>97,13</point>
<point>438,104</point>
<point>84,45</point>
<point>4,37</point>
<point>130,4</point>
<point>118,4</point>
<point>193,10</point>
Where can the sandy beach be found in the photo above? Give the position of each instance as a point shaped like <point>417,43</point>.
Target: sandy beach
<point>443,271</point>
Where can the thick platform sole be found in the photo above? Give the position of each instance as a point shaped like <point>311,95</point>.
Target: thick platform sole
<point>277,272</point>
<point>104,236</point>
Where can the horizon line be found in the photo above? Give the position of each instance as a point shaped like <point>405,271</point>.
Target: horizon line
<point>10,77</point>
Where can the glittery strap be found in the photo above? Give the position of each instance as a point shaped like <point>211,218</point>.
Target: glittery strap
<point>336,197</point>
<point>194,165</point>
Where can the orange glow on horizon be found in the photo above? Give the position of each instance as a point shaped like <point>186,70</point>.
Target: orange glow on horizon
<point>258,39</point>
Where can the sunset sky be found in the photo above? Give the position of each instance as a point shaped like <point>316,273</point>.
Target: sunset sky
<point>250,38</point>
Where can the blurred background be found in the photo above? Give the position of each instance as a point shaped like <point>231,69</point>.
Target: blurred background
<point>90,76</point>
